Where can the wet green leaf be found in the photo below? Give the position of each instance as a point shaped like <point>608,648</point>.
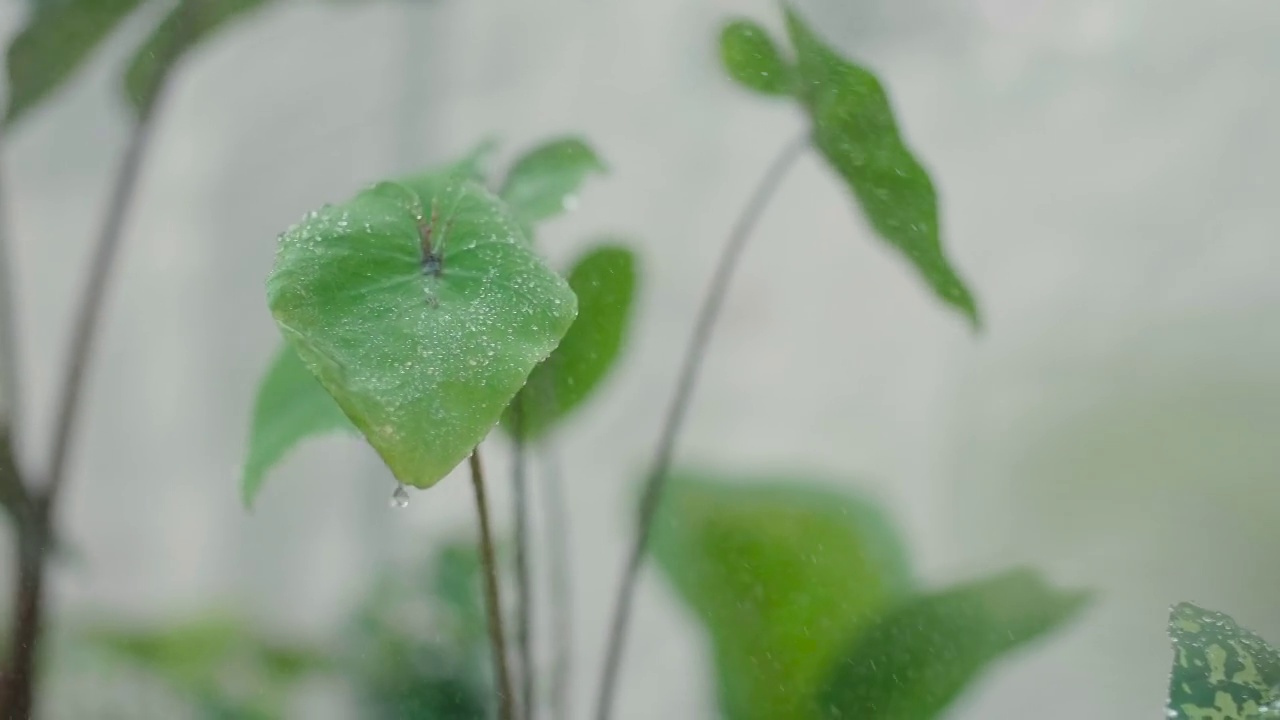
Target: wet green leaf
<point>751,57</point>
<point>781,573</point>
<point>55,42</point>
<point>855,130</point>
<point>422,356</point>
<point>916,659</point>
<point>1220,670</point>
<point>187,25</point>
<point>291,406</point>
<point>544,182</point>
<point>604,280</point>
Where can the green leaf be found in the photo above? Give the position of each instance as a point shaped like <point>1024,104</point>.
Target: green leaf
<point>218,662</point>
<point>915,660</point>
<point>543,183</point>
<point>855,130</point>
<point>1220,670</point>
<point>781,573</point>
<point>751,57</point>
<point>291,406</point>
<point>56,41</point>
<point>604,280</point>
<point>422,356</point>
<point>190,23</point>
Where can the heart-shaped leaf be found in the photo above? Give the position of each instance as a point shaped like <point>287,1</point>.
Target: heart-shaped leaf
<point>422,310</point>
<point>291,406</point>
<point>855,130</point>
<point>781,573</point>
<point>55,42</point>
<point>604,280</point>
<point>544,182</point>
<point>186,26</point>
<point>751,57</point>
<point>1220,670</point>
<point>911,663</point>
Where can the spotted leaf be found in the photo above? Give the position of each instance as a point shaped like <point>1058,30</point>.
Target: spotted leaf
<point>1220,670</point>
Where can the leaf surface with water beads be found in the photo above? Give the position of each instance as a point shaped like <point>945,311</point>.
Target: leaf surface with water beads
<point>750,57</point>
<point>422,362</point>
<point>604,280</point>
<point>855,130</point>
<point>1220,670</point>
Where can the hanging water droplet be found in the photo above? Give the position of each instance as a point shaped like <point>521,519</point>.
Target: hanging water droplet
<point>400,498</point>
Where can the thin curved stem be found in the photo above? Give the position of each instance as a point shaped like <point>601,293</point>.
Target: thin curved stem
<point>558,540</point>
<point>524,587</point>
<point>493,597</point>
<point>656,479</point>
<point>85,332</point>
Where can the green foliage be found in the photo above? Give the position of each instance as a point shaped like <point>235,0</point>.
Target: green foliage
<point>810,608</point>
<point>187,25</point>
<point>222,666</point>
<point>853,127</point>
<point>750,57</point>
<point>418,649</point>
<point>422,359</point>
<point>56,41</point>
<point>781,573</point>
<point>916,659</point>
<point>1220,670</point>
<point>291,406</point>
<point>604,280</point>
<point>543,182</point>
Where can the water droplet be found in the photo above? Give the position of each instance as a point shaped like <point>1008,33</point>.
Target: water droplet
<point>400,498</point>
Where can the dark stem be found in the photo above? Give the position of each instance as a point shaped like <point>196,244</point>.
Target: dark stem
<point>524,588</point>
<point>35,529</point>
<point>493,599</point>
<point>15,497</point>
<point>88,317</point>
<point>676,412</point>
<point>557,525</point>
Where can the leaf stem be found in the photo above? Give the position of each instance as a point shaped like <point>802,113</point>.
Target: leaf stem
<point>557,526</point>
<point>493,599</point>
<point>656,479</point>
<point>524,589</point>
<point>35,529</point>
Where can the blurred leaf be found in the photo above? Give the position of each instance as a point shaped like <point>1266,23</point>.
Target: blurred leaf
<point>1220,670</point>
<point>751,57</point>
<point>422,355</point>
<point>291,406</point>
<point>421,649</point>
<point>854,128</point>
<point>56,41</point>
<point>190,23</point>
<point>604,280</point>
<point>915,660</point>
<point>219,663</point>
<point>781,573</point>
<point>543,183</point>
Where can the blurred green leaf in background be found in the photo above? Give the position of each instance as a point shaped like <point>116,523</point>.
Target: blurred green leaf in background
<point>809,605</point>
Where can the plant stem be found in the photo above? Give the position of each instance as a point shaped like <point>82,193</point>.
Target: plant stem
<point>524,589</point>
<point>656,479</point>
<point>35,528</point>
<point>493,599</point>
<point>15,497</point>
<point>557,524</point>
